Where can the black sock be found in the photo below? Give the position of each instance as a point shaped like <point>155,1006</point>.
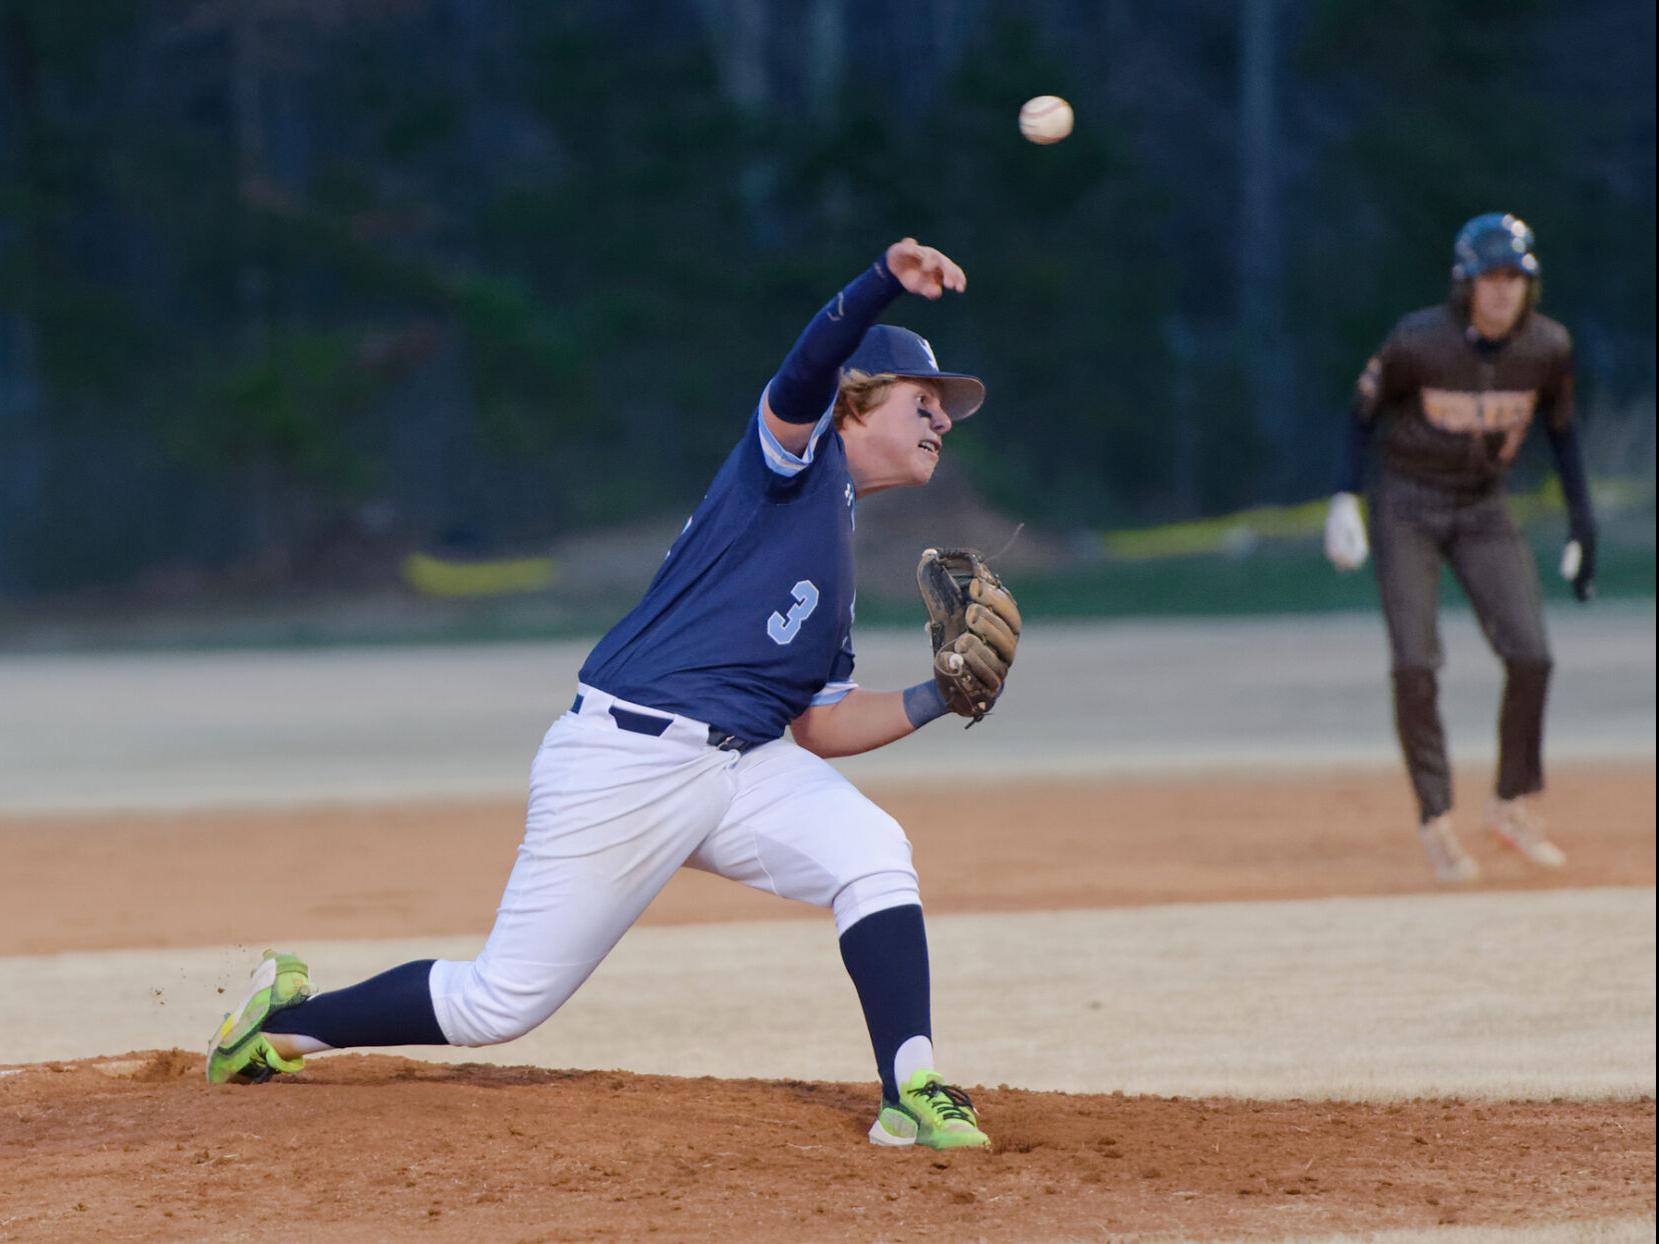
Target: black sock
<point>394,1008</point>
<point>886,955</point>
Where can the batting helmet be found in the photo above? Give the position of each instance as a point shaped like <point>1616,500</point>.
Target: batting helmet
<point>1493,240</point>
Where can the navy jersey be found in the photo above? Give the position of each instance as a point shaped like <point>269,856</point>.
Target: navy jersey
<point>749,619</point>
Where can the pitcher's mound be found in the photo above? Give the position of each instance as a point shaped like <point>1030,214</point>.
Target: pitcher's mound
<point>365,1148</point>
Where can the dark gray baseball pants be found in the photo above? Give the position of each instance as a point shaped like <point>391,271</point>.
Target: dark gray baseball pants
<point>1414,527</point>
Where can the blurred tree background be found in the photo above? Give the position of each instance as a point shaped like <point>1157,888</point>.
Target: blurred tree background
<point>283,279</point>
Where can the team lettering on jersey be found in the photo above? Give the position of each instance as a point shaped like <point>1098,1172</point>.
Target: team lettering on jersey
<point>1508,411</point>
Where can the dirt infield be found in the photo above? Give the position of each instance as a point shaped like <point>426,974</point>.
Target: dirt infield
<point>367,1148</point>
<point>79,882</point>
<point>377,1147</point>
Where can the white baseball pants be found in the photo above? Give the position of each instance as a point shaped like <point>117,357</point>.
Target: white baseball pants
<point>613,814</point>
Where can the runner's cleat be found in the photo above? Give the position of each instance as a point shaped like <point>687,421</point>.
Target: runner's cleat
<point>1451,863</point>
<point>1515,825</point>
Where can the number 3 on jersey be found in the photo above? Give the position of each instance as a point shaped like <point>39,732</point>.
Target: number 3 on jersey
<point>783,630</point>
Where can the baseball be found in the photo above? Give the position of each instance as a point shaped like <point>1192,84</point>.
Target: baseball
<point>1045,119</point>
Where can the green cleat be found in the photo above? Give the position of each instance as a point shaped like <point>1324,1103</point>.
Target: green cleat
<point>239,1051</point>
<point>929,1112</point>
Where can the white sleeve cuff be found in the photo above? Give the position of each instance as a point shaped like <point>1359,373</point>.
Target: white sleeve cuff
<point>833,693</point>
<point>778,459</point>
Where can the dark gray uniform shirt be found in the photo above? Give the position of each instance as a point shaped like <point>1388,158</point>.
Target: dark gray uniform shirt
<point>1453,409</point>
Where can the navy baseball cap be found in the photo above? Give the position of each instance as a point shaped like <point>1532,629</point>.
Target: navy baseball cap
<point>900,352</point>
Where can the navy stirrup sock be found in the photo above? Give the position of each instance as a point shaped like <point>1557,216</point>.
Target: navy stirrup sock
<point>886,955</point>
<point>394,1008</point>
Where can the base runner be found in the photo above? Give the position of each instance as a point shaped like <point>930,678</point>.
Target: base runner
<point>1450,396</point>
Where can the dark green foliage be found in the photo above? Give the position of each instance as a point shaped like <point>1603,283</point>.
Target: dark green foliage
<point>292,406</point>
<point>519,268</point>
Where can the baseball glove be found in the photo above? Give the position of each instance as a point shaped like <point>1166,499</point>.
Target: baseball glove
<point>974,626</point>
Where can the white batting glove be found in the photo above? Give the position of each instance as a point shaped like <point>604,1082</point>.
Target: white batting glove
<point>1346,547</point>
<point>1572,557</point>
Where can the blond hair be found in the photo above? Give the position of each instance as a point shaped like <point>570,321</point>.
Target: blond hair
<point>860,393</point>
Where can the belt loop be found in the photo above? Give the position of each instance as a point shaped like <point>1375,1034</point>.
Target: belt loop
<point>726,741</point>
<point>641,723</point>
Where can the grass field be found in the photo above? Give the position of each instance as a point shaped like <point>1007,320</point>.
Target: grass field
<point>1253,564</point>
